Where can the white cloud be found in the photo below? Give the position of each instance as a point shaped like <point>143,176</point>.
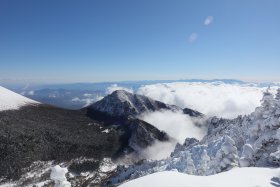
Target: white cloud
<point>208,20</point>
<point>115,87</point>
<point>176,125</point>
<point>212,99</point>
<point>88,100</point>
<point>27,93</point>
<point>193,37</point>
<point>159,150</point>
<point>31,92</point>
<point>76,99</point>
<point>88,95</point>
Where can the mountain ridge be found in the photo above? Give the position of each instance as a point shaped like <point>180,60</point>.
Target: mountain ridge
<point>123,103</point>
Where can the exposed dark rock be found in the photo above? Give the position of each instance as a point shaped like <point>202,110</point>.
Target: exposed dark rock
<point>137,134</point>
<point>192,113</point>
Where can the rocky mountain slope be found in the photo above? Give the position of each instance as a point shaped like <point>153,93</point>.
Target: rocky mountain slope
<point>251,140</point>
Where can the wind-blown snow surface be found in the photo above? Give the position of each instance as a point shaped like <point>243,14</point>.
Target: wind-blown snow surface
<point>237,177</point>
<point>10,100</point>
<point>213,99</point>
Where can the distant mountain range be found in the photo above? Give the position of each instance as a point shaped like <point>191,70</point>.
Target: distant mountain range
<point>78,95</point>
<point>13,85</point>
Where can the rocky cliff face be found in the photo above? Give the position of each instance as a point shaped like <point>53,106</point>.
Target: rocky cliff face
<point>137,134</point>
<point>144,135</point>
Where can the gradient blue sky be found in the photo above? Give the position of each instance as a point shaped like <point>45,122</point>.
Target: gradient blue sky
<point>112,40</point>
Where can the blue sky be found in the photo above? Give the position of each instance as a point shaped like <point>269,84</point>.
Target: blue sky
<point>112,40</point>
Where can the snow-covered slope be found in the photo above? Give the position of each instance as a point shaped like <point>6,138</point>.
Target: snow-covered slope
<point>237,177</point>
<point>10,100</point>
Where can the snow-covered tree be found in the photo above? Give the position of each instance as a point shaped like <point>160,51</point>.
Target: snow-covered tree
<point>277,100</point>
<point>58,175</point>
<point>226,157</point>
<point>268,102</point>
<point>275,156</point>
<point>261,118</point>
<point>267,99</point>
<point>203,167</point>
<point>277,96</point>
<point>246,156</point>
<point>190,169</point>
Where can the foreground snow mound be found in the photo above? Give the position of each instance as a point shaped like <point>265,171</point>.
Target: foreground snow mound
<point>10,100</point>
<point>241,177</point>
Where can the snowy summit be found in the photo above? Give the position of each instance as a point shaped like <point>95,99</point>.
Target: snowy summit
<point>123,103</point>
<point>11,101</point>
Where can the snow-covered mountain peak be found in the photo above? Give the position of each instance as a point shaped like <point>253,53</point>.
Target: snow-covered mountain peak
<point>123,103</point>
<point>122,94</point>
<point>10,100</point>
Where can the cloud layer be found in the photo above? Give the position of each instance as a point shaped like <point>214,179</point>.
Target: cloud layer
<point>88,99</point>
<point>212,99</point>
<point>177,125</point>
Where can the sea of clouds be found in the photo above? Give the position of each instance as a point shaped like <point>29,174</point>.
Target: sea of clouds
<point>210,98</point>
